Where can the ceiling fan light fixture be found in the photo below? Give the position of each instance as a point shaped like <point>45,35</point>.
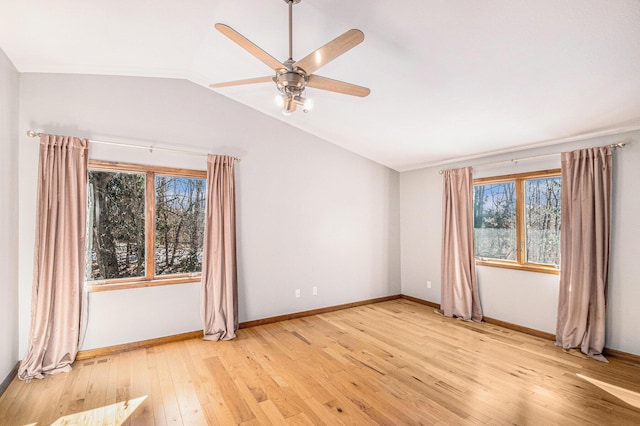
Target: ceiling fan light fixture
<point>289,105</point>
<point>306,103</point>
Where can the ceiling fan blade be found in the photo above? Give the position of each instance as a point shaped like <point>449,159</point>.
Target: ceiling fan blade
<point>241,82</point>
<point>337,86</point>
<point>330,51</point>
<point>247,45</point>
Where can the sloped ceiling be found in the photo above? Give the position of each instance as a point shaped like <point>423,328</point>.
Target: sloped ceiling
<point>449,79</point>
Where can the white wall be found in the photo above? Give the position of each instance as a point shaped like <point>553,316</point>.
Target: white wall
<point>309,213</point>
<point>9,102</point>
<point>528,298</point>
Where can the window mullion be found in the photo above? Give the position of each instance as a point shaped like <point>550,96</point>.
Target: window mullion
<point>520,222</point>
<point>150,224</point>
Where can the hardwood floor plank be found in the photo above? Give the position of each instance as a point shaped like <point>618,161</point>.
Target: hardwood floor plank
<point>155,390</point>
<point>188,404</point>
<point>168,392</point>
<point>394,362</point>
<point>141,387</point>
<point>208,393</point>
<point>65,400</point>
<point>274,415</point>
<point>238,407</point>
<point>97,391</point>
<point>112,413</point>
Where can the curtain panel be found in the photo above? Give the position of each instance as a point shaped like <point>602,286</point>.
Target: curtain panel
<point>59,257</point>
<point>585,234</point>
<point>459,289</point>
<point>219,293</point>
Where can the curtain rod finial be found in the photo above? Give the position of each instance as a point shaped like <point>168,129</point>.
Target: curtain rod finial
<point>32,134</point>
<point>618,145</point>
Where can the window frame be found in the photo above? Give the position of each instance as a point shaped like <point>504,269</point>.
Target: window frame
<point>150,279</point>
<point>521,249</point>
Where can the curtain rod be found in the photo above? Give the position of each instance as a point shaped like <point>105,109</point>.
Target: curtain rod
<point>618,145</point>
<point>151,148</point>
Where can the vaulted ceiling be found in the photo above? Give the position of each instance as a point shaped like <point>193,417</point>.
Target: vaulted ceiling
<point>449,79</point>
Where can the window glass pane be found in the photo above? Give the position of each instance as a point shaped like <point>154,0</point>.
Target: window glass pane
<point>180,210</point>
<point>494,220</point>
<point>116,240</point>
<point>542,220</point>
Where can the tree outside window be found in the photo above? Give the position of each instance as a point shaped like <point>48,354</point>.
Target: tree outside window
<point>494,220</point>
<point>180,209</point>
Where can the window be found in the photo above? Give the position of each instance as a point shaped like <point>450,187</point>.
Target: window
<point>145,225</point>
<point>516,220</point>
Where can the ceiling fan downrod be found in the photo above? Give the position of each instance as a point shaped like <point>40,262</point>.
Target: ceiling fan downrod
<point>291,3</point>
<point>290,29</point>
<point>291,82</point>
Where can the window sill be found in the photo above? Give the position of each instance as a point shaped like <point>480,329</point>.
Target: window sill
<point>510,265</point>
<point>125,284</point>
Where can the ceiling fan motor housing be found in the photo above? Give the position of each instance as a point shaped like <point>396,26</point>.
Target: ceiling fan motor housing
<point>291,82</point>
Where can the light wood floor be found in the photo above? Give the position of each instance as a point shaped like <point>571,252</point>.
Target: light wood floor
<point>391,363</point>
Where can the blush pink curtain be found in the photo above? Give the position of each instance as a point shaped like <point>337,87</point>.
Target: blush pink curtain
<point>459,289</point>
<point>219,295</point>
<point>584,269</point>
<point>59,257</point>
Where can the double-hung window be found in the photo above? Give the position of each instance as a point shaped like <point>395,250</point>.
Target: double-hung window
<point>145,225</point>
<point>517,221</point>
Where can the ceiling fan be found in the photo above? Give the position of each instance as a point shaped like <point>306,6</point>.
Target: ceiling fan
<point>292,77</point>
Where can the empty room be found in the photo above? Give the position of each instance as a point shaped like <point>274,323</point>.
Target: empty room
<point>320,212</point>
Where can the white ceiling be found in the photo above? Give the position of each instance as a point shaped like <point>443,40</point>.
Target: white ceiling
<point>449,79</point>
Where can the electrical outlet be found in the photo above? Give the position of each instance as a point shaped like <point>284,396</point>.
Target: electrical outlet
<point>297,292</point>
<point>428,284</point>
<point>315,290</point>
